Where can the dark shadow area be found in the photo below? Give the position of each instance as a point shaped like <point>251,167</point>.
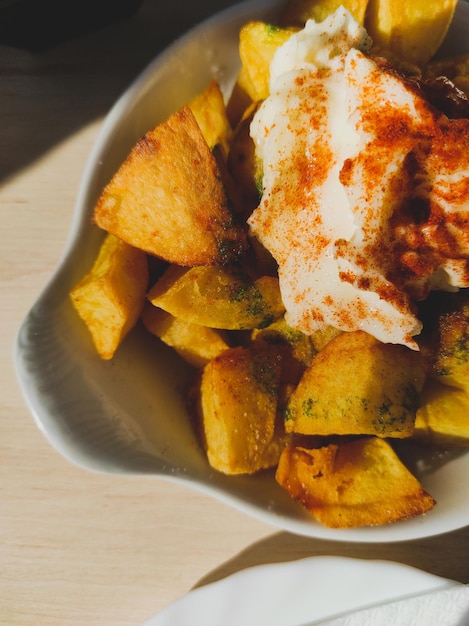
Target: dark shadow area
<point>98,59</point>
<point>429,555</point>
<point>37,25</point>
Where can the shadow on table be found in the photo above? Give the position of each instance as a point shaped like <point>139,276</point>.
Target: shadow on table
<point>430,555</point>
<point>56,90</point>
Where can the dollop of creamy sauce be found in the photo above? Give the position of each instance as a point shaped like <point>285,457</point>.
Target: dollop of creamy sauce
<point>365,202</point>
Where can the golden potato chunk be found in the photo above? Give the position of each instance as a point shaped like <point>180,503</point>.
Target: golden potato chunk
<point>209,110</point>
<point>279,333</point>
<point>322,336</point>
<point>295,347</point>
<point>239,100</point>
<point>257,45</point>
<point>110,297</point>
<point>297,12</point>
<point>452,66</point>
<point>194,343</point>
<point>239,411</point>
<point>218,297</point>
<point>411,31</point>
<point>452,363</point>
<point>155,202</point>
<point>358,385</point>
<point>352,484</point>
<point>244,166</point>
<point>446,339</point>
<point>443,418</point>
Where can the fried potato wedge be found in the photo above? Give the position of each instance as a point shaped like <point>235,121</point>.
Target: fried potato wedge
<point>195,344</point>
<point>295,347</point>
<point>324,335</point>
<point>262,258</point>
<point>297,12</point>
<point>352,484</point>
<point>452,363</point>
<point>241,430</point>
<point>209,110</point>
<point>452,66</point>
<point>295,350</point>
<point>111,296</point>
<point>448,338</point>
<point>244,166</point>
<point>258,43</point>
<point>239,100</point>
<point>279,333</point>
<point>443,418</point>
<point>155,202</point>
<point>411,31</point>
<point>218,297</point>
<point>357,385</point>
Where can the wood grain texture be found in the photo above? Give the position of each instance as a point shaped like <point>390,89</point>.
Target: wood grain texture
<point>78,548</point>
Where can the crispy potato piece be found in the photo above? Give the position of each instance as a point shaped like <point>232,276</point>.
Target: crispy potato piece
<point>323,336</point>
<point>452,363</point>
<point>411,31</point>
<point>257,45</point>
<point>352,484</point>
<point>241,430</point>
<point>451,66</point>
<point>110,297</point>
<point>239,100</point>
<point>155,203</point>
<point>244,166</point>
<point>297,12</point>
<point>358,385</point>
<point>295,347</point>
<point>447,340</point>
<point>234,194</point>
<point>443,418</point>
<point>218,297</point>
<point>210,112</point>
<point>279,333</point>
<point>194,343</point>
<point>262,258</point>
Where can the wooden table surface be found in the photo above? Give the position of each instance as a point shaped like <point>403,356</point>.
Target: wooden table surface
<point>79,548</point>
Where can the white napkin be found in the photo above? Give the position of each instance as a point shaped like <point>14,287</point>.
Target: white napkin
<point>446,607</point>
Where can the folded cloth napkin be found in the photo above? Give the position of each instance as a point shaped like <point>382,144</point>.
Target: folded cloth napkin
<point>445,607</point>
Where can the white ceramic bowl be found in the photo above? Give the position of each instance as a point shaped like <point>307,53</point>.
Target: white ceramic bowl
<point>127,415</point>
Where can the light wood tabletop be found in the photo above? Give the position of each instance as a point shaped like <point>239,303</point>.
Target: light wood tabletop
<point>88,549</point>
